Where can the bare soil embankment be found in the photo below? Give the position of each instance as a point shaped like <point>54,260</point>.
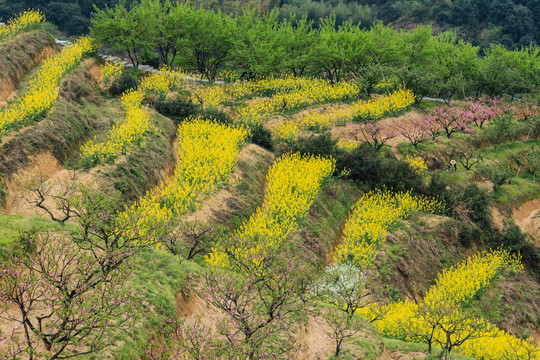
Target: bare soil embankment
<point>20,56</point>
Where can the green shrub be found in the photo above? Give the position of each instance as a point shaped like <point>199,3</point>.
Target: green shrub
<point>466,203</point>
<point>532,126</point>
<point>503,129</point>
<point>150,58</point>
<point>213,113</point>
<point>376,169</point>
<point>128,80</point>
<point>178,108</point>
<point>513,239</point>
<point>321,144</point>
<point>497,173</point>
<point>261,136</point>
<point>465,236</point>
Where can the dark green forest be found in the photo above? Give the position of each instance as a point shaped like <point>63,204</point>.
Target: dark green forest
<point>512,23</point>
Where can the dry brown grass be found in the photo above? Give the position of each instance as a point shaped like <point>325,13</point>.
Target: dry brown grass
<point>19,56</point>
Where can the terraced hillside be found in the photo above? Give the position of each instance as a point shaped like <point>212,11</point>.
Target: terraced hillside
<point>146,215</point>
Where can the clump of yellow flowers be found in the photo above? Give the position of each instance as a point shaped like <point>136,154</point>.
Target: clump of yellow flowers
<point>208,153</point>
<point>21,22</point>
<point>371,218</point>
<point>43,90</point>
<point>347,145</point>
<point>293,184</point>
<point>385,86</point>
<point>370,110</point>
<point>416,163</point>
<point>129,132</point>
<point>111,71</point>
<point>456,287</point>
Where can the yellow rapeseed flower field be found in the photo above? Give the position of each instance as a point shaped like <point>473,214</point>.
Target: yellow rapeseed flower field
<point>220,94</point>
<point>371,218</point>
<point>418,164</point>
<point>111,71</point>
<point>310,93</point>
<point>208,153</point>
<point>293,184</point>
<point>129,132</point>
<point>459,285</point>
<point>43,91</point>
<point>370,110</point>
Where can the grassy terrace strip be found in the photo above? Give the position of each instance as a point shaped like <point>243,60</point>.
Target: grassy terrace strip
<point>43,90</point>
<point>371,218</point>
<point>208,154</point>
<point>459,285</point>
<point>124,135</point>
<point>293,184</point>
<point>312,92</point>
<point>370,110</point>
<point>24,21</point>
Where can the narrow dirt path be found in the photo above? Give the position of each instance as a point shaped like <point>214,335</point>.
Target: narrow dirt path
<point>221,202</point>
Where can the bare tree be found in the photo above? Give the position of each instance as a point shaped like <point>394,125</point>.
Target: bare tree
<point>467,154</point>
<point>188,239</point>
<point>67,306</point>
<point>263,308</point>
<point>41,189</point>
<point>343,289</point>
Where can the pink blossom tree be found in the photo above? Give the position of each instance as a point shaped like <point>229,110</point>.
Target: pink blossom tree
<point>374,134</point>
<point>415,131</point>
<point>449,119</point>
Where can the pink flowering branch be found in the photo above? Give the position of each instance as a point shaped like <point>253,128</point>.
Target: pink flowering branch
<point>374,135</point>
<point>415,131</point>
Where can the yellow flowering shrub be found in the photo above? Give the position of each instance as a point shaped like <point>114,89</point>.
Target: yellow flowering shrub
<point>347,145</point>
<point>385,86</point>
<point>208,154</point>
<point>21,22</point>
<point>42,92</point>
<point>371,218</point>
<point>111,71</point>
<point>129,132</point>
<point>416,163</point>
<point>293,184</point>
<point>375,109</point>
<point>228,76</point>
